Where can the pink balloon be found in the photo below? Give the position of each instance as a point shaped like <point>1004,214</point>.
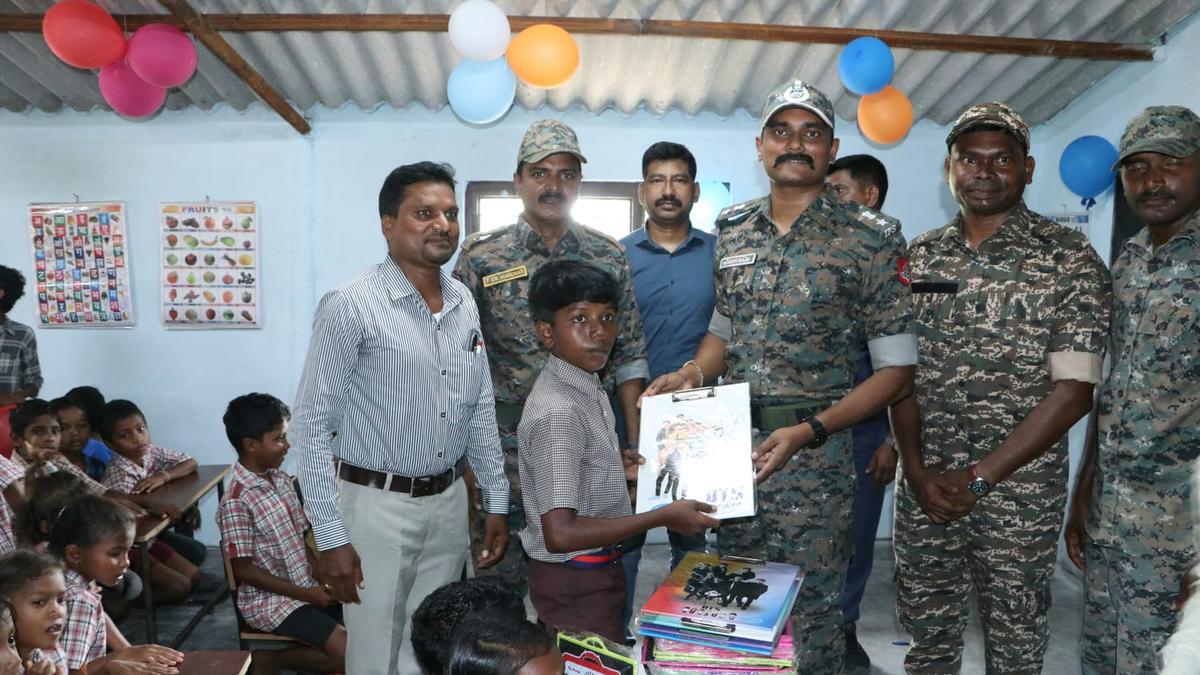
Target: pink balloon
<point>162,55</point>
<point>127,93</point>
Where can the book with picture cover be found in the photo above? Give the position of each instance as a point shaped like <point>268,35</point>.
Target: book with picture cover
<point>697,445</point>
<point>726,600</point>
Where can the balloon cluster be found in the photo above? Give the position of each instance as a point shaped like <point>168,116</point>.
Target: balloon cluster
<point>1086,167</point>
<point>866,67</point>
<point>483,85</point>
<point>135,73</point>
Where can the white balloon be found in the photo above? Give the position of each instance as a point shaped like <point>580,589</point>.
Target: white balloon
<point>479,30</point>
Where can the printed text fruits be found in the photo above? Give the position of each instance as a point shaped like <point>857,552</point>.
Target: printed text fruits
<point>227,297</point>
<point>172,278</point>
<point>209,296</point>
<point>229,241</point>
<point>209,259</point>
<point>227,279</point>
<point>210,313</point>
<point>227,223</point>
<point>191,315</point>
<point>209,277</point>
<point>190,259</point>
<point>209,223</point>
<point>228,315</point>
<point>172,240</point>
<point>174,314</point>
<point>246,259</point>
<point>191,241</point>
<point>246,296</point>
<point>172,259</point>
<point>247,223</point>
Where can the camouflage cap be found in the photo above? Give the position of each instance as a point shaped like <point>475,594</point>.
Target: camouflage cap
<point>1166,129</point>
<point>548,137</point>
<point>995,114</point>
<point>797,94</point>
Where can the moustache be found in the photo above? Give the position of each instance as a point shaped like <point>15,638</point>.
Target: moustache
<point>1156,194</point>
<point>982,185</point>
<point>796,157</point>
<point>664,201</point>
<point>547,197</point>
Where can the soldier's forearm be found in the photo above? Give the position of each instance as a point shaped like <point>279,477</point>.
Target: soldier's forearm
<point>906,429</point>
<point>1052,417</point>
<point>868,398</point>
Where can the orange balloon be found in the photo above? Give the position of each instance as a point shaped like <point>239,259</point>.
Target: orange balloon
<point>543,56</point>
<point>885,116</point>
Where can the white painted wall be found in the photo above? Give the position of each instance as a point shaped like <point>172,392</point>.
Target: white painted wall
<point>318,196</point>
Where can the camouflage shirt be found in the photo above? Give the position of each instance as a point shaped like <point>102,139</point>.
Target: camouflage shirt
<point>497,267</point>
<point>796,309</point>
<point>1150,403</point>
<point>997,327</point>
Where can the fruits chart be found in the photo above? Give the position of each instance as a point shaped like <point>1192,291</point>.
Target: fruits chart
<point>81,264</point>
<point>210,265</point>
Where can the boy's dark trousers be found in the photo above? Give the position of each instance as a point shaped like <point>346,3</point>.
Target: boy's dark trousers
<point>590,598</point>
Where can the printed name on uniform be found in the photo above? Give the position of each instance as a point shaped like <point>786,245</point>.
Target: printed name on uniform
<point>737,260</point>
<point>510,274</point>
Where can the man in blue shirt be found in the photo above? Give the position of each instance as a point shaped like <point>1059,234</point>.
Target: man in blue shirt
<point>671,264</point>
<point>863,179</point>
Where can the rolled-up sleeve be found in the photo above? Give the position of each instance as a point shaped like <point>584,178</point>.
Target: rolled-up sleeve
<point>1080,324</point>
<point>888,304</point>
<point>324,385</point>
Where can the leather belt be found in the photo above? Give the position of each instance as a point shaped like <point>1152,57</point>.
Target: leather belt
<point>426,486</point>
<point>602,558</point>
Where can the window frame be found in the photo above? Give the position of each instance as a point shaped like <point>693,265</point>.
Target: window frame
<point>482,189</point>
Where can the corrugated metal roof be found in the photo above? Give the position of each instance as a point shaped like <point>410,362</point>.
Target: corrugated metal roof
<point>629,72</point>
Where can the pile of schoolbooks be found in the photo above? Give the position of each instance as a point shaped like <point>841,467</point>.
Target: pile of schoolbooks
<point>721,615</point>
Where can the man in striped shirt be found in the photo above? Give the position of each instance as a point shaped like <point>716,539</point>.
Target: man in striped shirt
<point>395,399</point>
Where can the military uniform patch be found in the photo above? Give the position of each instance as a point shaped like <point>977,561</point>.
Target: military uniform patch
<point>510,274</point>
<point>737,260</point>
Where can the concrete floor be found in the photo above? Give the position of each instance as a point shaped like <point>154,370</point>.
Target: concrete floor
<point>878,630</point>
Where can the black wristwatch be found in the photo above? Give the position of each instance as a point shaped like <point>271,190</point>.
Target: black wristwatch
<point>978,486</point>
<point>819,433</point>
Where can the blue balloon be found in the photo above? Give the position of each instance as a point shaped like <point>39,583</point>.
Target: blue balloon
<point>1086,165</point>
<point>480,92</point>
<point>866,65</point>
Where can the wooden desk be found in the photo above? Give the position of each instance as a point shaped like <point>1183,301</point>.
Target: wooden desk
<point>215,663</point>
<point>183,493</point>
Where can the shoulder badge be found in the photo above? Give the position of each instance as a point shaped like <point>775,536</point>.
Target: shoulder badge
<point>732,215</point>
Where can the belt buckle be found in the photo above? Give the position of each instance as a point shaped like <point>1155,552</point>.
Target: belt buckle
<point>422,487</point>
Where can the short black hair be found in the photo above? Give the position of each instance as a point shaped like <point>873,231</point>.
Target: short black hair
<point>47,495</point>
<point>114,411</point>
<point>90,400</point>
<point>87,520</point>
<point>24,414</point>
<point>23,566</point>
<point>864,169</point>
<point>559,283</point>
<point>253,416</point>
<point>394,186</point>
<point>488,644</point>
<point>441,612</point>
<point>989,126</point>
<point>13,285</point>
<point>666,150</point>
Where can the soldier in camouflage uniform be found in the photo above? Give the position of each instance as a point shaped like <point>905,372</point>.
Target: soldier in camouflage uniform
<point>497,266</point>
<point>802,282</point>
<point>1134,489</point>
<point>1012,320</point>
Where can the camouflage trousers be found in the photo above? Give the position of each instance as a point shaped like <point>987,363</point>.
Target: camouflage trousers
<point>804,519</point>
<point>1127,611</point>
<point>511,568</point>
<point>1005,549</point>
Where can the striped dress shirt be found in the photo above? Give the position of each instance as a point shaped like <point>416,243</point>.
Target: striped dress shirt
<point>389,386</point>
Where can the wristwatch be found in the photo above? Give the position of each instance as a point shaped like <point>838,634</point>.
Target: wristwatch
<point>819,433</point>
<point>978,486</point>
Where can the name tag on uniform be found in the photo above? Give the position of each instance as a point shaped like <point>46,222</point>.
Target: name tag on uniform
<point>510,274</point>
<point>737,260</point>
<point>935,287</point>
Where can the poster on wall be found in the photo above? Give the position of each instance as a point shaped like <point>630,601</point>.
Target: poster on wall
<point>81,264</point>
<point>210,265</point>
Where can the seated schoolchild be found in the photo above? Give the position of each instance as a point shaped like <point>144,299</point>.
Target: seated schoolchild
<point>577,505</point>
<point>441,612</point>
<point>35,589</point>
<point>491,644</point>
<point>263,527</point>
<point>76,423</point>
<point>92,536</point>
<point>138,467</point>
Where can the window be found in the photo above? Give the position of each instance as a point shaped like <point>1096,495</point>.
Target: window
<point>610,207</point>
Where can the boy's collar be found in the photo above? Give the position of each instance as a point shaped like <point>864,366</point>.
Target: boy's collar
<point>573,375</point>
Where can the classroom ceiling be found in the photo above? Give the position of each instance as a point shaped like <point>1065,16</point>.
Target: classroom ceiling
<point>627,73</point>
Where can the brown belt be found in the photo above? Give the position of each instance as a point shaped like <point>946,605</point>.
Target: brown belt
<point>415,487</point>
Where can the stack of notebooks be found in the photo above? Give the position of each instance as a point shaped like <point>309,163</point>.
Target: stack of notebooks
<point>722,615</point>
